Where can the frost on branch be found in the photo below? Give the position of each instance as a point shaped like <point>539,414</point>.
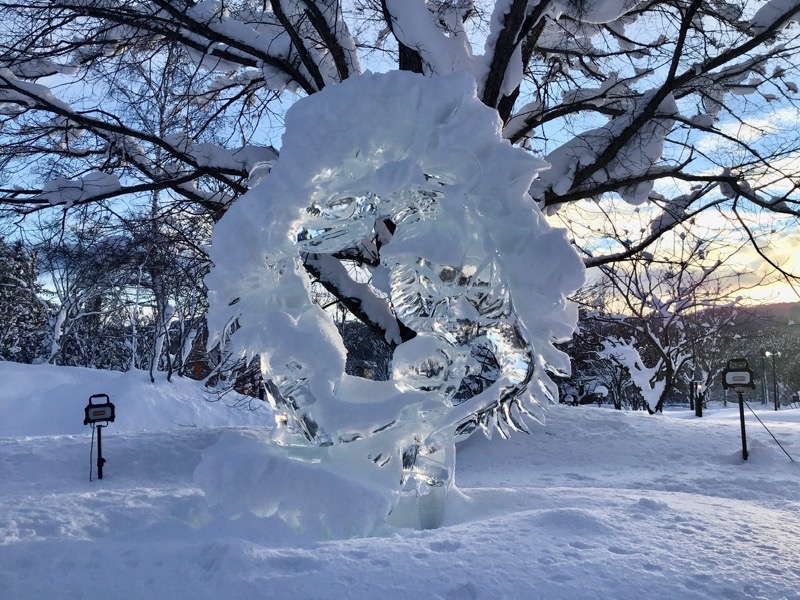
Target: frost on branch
<point>63,191</point>
<point>415,169</point>
<point>632,160</point>
<point>644,378</point>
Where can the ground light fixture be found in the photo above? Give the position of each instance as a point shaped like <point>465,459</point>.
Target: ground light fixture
<point>738,376</point>
<point>771,356</point>
<point>98,415</point>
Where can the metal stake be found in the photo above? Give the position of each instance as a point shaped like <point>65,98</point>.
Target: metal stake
<point>100,460</point>
<point>741,418</point>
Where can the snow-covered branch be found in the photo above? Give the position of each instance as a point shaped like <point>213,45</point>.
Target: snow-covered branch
<point>359,298</point>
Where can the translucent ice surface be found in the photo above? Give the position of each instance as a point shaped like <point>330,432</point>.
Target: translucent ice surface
<point>409,177</point>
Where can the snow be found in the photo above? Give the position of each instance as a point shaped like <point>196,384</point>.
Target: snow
<point>247,158</point>
<point>772,12</point>
<point>68,191</point>
<point>245,26</point>
<point>44,399</point>
<point>441,54</point>
<point>627,355</point>
<point>597,504</point>
<point>636,157</point>
<point>519,121</point>
<point>25,93</point>
<point>610,89</point>
<point>674,211</point>
<point>372,306</point>
<point>603,11</point>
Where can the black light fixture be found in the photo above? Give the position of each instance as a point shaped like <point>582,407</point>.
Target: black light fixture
<point>98,416</point>
<point>739,376</point>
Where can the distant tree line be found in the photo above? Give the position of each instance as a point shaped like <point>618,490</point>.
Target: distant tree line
<point>701,343</point>
<point>103,294</point>
<point>109,295</point>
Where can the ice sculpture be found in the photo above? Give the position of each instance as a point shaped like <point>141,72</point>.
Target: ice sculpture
<point>413,172</point>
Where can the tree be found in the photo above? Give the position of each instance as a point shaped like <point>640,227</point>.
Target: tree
<point>616,375</point>
<point>595,328</point>
<point>675,314</point>
<point>771,343</point>
<point>617,106</point>
<point>88,266</point>
<point>156,97</point>
<point>23,310</point>
<point>636,103</point>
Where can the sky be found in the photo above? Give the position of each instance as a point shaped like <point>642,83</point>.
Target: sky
<point>595,504</point>
<point>759,283</point>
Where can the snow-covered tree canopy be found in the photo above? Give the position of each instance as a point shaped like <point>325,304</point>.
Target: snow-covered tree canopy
<point>617,95</point>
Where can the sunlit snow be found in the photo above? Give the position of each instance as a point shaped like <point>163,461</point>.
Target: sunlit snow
<point>598,504</point>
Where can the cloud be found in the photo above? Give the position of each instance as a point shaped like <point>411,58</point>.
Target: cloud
<point>597,227</point>
<point>750,130</point>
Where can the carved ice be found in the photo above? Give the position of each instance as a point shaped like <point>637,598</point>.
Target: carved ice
<point>412,172</point>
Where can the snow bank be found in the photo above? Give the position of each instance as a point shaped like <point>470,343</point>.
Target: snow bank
<point>248,480</point>
<point>602,504</point>
<point>50,400</point>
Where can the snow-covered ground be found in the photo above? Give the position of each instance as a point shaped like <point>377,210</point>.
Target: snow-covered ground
<point>597,504</point>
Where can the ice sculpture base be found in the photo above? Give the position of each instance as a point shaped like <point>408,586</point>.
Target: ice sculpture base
<point>246,478</point>
<point>417,510</point>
